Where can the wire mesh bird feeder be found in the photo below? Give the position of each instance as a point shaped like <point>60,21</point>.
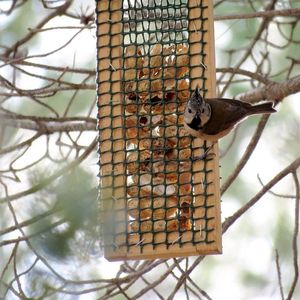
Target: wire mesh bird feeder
<point>156,200</point>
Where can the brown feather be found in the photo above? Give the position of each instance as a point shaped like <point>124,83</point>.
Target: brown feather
<point>226,113</point>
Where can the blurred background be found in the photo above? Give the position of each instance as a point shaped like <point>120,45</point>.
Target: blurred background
<point>49,231</point>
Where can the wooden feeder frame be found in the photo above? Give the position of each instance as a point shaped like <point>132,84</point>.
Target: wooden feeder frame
<point>119,243</point>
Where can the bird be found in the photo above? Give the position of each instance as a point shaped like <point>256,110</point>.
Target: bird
<point>213,118</point>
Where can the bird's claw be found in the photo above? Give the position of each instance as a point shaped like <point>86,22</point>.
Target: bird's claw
<point>205,155</point>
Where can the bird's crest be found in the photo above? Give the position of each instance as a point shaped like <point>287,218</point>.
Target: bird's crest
<point>196,99</point>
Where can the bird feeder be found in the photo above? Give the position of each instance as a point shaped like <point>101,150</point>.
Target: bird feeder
<point>159,187</point>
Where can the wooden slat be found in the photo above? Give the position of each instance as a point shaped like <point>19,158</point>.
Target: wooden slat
<point>200,66</point>
<point>112,144</point>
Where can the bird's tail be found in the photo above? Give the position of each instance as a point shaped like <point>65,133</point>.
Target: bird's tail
<point>264,108</point>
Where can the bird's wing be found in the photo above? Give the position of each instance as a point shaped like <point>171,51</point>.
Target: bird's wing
<point>225,114</point>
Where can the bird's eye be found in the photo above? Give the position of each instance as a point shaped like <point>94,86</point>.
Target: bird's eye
<point>189,110</point>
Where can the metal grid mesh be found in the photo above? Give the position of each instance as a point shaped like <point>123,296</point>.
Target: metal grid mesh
<point>155,198</point>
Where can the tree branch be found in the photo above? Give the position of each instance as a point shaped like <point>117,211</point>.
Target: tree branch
<point>247,73</point>
<point>272,91</point>
<point>261,14</point>
<point>49,127</point>
<point>53,177</point>
<point>27,142</point>
<point>58,12</point>
<point>264,24</point>
<point>295,238</point>
<point>249,150</point>
<point>279,274</point>
<point>289,169</point>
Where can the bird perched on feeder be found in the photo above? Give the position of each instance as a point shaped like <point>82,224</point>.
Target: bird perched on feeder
<point>211,119</point>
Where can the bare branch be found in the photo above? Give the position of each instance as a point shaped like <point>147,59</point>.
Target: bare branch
<point>25,143</point>
<point>54,68</point>
<point>200,290</point>
<point>295,237</point>
<point>255,39</point>
<point>49,127</point>
<point>293,12</point>
<point>54,176</point>
<point>289,169</point>
<point>249,150</point>
<point>29,222</point>
<point>272,91</point>
<point>59,11</point>
<point>184,277</point>
<point>247,73</point>
<point>279,274</point>
<point>275,194</point>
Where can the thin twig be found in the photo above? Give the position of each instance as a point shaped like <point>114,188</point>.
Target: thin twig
<point>43,127</point>
<point>279,274</point>
<point>252,75</point>
<point>184,277</point>
<point>275,194</point>
<point>201,291</point>
<point>248,152</point>
<point>59,11</point>
<point>53,177</point>
<point>295,238</point>
<point>261,29</point>
<point>289,169</point>
<point>233,138</point>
